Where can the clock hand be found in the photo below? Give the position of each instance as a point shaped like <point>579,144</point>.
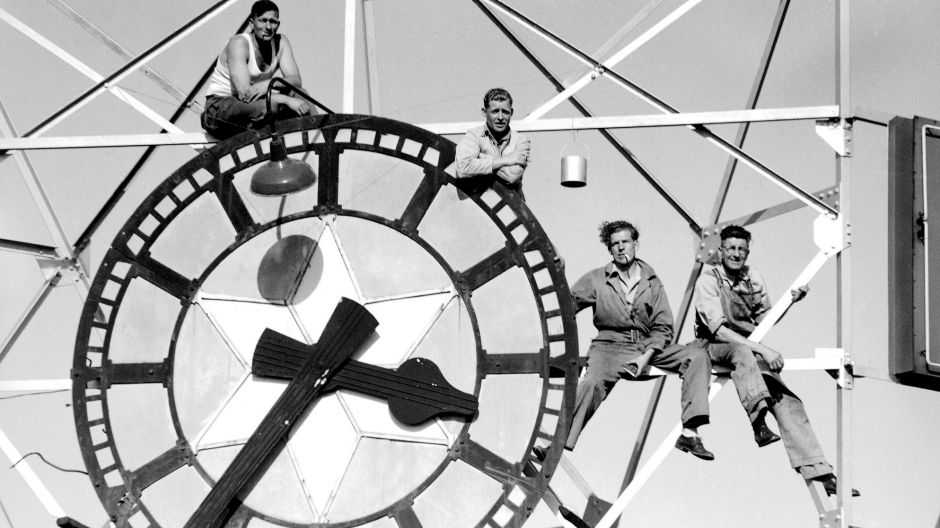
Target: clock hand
<point>345,332</point>
<point>416,392</point>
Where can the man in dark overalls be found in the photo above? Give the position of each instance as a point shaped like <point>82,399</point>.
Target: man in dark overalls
<point>730,300</point>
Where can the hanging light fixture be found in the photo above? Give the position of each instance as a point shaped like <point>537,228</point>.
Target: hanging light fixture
<point>281,175</point>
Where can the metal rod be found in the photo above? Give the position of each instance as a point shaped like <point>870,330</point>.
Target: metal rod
<point>28,248</point>
<point>69,59</point>
<point>672,201</point>
<point>752,98</point>
<point>542,125</point>
<point>624,30</point>
<point>771,212</point>
<point>599,68</point>
<point>372,61</point>
<point>129,68</point>
<point>37,192</point>
<point>158,78</point>
<point>39,489</point>
<point>349,57</point>
<point>28,314</point>
<point>666,108</point>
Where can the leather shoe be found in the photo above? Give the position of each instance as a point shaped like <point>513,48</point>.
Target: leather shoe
<point>829,485</point>
<point>540,453</point>
<point>764,436</point>
<point>693,444</point>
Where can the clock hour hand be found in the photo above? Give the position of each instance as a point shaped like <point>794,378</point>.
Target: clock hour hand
<point>416,391</point>
<point>345,332</point>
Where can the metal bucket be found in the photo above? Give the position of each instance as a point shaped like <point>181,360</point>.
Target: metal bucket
<point>573,171</point>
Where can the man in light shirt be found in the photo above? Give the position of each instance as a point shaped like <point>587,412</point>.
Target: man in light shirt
<point>493,149</point>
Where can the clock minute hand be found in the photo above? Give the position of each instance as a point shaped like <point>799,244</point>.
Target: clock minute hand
<point>416,391</point>
<point>346,331</point>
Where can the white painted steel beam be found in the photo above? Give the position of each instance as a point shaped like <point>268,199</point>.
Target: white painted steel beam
<point>131,67</point>
<point>72,61</point>
<point>32,480</point>
<point>653,120</point>
<point>158,78</point>
<point>612,61</point>
<point>349,57</point>
<point>121,140</point>
<point>372,61</point>
<point>542,125</point>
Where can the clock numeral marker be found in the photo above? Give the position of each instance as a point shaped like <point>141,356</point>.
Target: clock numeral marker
<point>126,373</point>
<point>519,363</point>
<point>233,204</point>
<point>421,200</point>
<point>494,465</point>
<point>328,175</point>
<point>161,276</point>
<point>407,518</point>
<point>489,268</point>
<point>161,466</point>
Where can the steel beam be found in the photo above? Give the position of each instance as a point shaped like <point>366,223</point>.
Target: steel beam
<point>129,68</point>
<point>752,98</point>
<point>72,61</point>
<point>372,63</point>
<point>349,57</point>
<point>609,63</point>
<point>662,106</point>
<point>158,78</point>
<point>28,314</point>
<point>542,125</point>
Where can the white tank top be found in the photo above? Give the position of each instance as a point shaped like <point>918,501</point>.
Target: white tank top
<point>220,83</point>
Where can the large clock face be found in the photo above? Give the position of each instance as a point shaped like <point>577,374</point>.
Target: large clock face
<point>458,274</point>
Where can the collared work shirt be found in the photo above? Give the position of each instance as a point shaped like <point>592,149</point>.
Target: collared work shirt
<point>614,318</point>
<point>478,149</point>
<point>746,302</point>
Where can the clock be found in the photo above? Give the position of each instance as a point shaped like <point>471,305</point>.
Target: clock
<point>208,293</point>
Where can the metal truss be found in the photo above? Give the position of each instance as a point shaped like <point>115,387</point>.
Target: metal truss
<point>832,226</point>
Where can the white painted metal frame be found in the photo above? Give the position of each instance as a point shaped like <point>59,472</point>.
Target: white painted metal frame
<point>531,123</point>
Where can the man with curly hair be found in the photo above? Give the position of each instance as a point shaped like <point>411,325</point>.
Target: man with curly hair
<point>634,329</point>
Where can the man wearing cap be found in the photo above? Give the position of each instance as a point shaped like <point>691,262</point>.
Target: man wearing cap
<point>730,300</point>
<point>492,149</point>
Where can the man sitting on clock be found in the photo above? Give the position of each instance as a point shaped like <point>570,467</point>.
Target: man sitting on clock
<point>634,329</point>
<point>235,98</point>
<point>493,149</point>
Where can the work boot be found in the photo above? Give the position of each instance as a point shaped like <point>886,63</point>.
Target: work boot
<point>763,435</point>
<point>694,445</point>
<point>829,484</point>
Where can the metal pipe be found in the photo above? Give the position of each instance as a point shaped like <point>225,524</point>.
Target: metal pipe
<point>129,68</point>
<point>672,201</point>
<point>158,78</point>
<point>666,108</point>
<point>752,98</point>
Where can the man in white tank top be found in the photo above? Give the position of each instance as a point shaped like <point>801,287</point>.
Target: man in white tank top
<point>235,99</point>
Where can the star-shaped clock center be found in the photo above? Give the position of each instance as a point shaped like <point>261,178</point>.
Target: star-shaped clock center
<point>301,274</point>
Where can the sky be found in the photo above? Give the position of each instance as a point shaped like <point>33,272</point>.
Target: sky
<point>434,62</point>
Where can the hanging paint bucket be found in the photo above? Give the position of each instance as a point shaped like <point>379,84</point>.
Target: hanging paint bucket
<point>574,168</point>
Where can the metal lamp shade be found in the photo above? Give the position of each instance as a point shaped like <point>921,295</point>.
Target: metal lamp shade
<point>281,175</point>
